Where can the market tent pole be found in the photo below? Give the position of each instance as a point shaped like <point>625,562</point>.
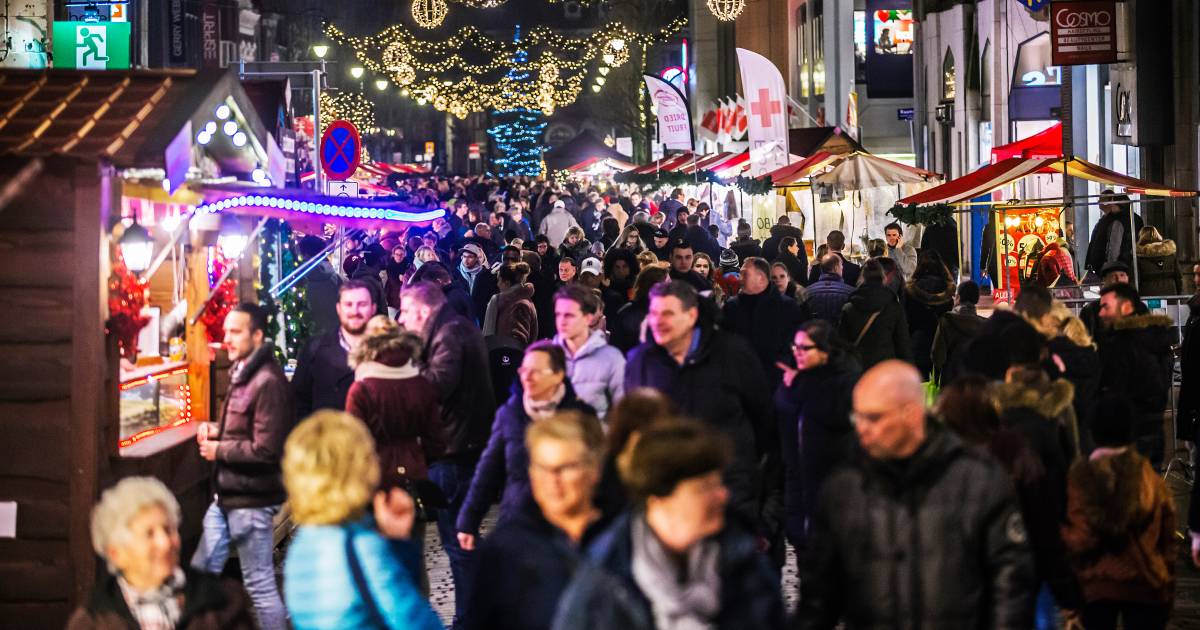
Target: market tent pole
<point>1133,239</point>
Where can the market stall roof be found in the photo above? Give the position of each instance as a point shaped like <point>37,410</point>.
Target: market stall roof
<point>732,165</point>
<point>858,171</point>
<point>127,117</point>
<point>793,173</point>
<point>994,176</point>
<point>1043,144</point>
<point>602,163</point>
<point>664,164</point>
<point>811,140</point>
<point>581,147</point>
<point>704,162</point>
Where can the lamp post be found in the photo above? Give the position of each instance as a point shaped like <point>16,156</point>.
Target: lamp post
<point>137,247</point>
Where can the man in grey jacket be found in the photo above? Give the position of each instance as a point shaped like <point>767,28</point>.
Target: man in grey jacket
<point>899,250</point>
<point>595,368</point>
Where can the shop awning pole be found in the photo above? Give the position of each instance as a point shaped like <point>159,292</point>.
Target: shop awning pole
<point>162,255</point>
<point>300,272</point>
<point>228,272</point>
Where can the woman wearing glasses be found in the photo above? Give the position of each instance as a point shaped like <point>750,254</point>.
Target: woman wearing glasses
<point>814,402</point>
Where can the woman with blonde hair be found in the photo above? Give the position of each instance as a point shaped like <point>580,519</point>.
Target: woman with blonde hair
<point>345,568</point>
<point>1158,269</point>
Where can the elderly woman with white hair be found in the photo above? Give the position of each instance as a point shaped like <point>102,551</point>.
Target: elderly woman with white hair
<point>135,529</point>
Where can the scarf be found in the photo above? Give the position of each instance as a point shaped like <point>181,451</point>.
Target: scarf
<point>158,609</point>
<point>469,275</point>
<point>543,409</point>
<point>678,602</point>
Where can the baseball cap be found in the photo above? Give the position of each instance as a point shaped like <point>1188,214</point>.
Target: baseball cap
<point>660,233</point>
<point>474,249</point>
<point>590,265</point>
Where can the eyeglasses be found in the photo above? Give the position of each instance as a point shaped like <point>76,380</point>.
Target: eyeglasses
<point>562,470</point>
<point>799,347</point>
<point>522,371</point>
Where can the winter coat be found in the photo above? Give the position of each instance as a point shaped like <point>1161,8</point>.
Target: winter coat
<point>767,321</point>
<point>936,542</point>
<point>210,602</point>
<point>323,376</point>
<point>815,436</point>
<point>955,330</point>
<point>511,313</point>
<point>459,300</point>
<point>455,360</point>
<point>721,383</point>
<point>745,247</point>
<point>927,299</point>
<point>770,247</point>
<point>604,595</point>
<point>1158,269</point>
<point>556,224</point>
<point>522,569</point>
<point>905,257</point>
<point>850,271</point>
<point>887,338</point>
<point>577,252</point>
<point>1136,361</point>
<point>1097,252</point>
<point>797,264</point>
<point>503,469</point>
<point>670,208</point>
<point>485,287</point>
<point>1083,371</point>
<point>255,421</point>
<point>1120,529</point>
<point>826,297</point>
<point>626,328</point>
<point>320,591</point>
<point>400,408</point>
<point>321,292</point>
<point>596,372</point>
<point>943,239</point>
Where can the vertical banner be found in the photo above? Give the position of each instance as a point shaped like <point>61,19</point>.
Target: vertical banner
<point>176,33</point>
<point>766,98</point>
<point>852,115</point>
<point>674,119</point>
<point>210,36</point>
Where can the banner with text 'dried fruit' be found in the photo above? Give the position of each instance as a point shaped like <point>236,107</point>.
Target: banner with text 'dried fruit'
<point>674,119</point>
<point>766,112</point>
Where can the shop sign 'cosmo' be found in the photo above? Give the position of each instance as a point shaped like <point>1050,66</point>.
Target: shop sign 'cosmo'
<point>1083,32</point>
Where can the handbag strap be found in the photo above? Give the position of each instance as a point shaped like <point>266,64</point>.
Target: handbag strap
<point>863,333</point>
<point>360,583</point>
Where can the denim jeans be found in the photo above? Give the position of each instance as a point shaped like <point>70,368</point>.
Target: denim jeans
<point>453,476</point>
<point>252,531</point>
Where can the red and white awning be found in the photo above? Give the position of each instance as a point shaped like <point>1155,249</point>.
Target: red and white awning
<point>799,172</point>
<point>596,164</point>
<point>665,164</point>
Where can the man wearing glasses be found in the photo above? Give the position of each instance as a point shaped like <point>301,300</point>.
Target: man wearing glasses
<point>919,532</point>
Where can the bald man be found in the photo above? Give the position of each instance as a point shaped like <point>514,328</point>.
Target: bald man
<point>919,532</point>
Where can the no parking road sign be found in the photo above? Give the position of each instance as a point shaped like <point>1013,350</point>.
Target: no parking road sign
<point>341,147</point>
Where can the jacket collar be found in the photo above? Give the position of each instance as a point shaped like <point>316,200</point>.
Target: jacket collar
<point>1141,322</point>
<point>201,592</point>
<point>256,360</point>
<point>372,369</point>
<point>1048,401</point>
<point>940,447</point>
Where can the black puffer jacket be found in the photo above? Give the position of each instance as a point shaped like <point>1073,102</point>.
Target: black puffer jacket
<point>1135,361</point>
<point>767,321</point>
<point>934,542</point>
<point>455,360</point>
<point>927,299</point>
<point>887,338</point>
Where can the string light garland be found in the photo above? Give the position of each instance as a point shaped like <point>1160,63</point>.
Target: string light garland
<point>443,73</point>
<point>289,313</point>
<point>726,10</point>
<point>429,13</point>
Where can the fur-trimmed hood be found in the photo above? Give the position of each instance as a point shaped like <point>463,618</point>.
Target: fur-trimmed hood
<point>1142,322</point>
<point>1048,401</point>
<point>1160,249</point>
<point>1115,495</point>
<point>930,290</point>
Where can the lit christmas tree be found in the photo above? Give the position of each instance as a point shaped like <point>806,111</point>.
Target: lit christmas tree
<point>518,131</point>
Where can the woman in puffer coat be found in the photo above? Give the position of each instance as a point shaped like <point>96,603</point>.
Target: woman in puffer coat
<point>503,469</point>
<point>929,295</point>
<point>1158,268</point>
<point>511,312</point>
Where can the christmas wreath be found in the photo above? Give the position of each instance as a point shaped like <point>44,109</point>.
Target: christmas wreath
<point>912,214</point>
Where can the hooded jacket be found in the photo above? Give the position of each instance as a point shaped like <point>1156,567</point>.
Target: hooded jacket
<point>596,372</point>
<point>770,247</point>
<point>503,470</point>
<point>1135,361</point>
<point>455,360</point>
<point>928,298</point>
<point>887,338</point>
<point>955,330</point>
<point>556,224</point>
<point>1158,269</point>
<point>511,313</point>
<point>604,594</point>
<point>1121,529</point>
<point>255,421</point>
<point>936,541</point>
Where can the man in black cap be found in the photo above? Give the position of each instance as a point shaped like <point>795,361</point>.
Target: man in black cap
<point>1115,272</point>
<point>659,245</point>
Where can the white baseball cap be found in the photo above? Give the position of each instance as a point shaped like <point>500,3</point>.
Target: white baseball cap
<point>590,265</point>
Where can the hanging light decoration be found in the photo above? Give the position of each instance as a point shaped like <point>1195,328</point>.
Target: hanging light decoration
<point>726,10</point>
<point>429,13</point>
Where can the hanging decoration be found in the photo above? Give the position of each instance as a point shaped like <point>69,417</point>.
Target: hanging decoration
<point>726,10</point>
<point>429,13</point>
<point>912,214</point>
<point>126,299</point>
<point>351,106</point>
<point>469,71</point>
<point>224,297</point>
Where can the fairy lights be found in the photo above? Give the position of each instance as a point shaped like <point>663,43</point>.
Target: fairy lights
<point>312,208</point>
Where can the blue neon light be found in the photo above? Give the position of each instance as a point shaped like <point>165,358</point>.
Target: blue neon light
<point>324,209</point>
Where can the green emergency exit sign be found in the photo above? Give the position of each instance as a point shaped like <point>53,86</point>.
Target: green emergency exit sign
<point>91,45</point>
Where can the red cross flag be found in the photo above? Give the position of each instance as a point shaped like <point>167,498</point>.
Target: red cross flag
<point>766,112</point>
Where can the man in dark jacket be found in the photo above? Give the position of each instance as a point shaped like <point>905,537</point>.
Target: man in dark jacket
<point>320,287</point>
<point>1136,362</point>
<point>920,532</point>
<point>246,447</point>
<point>837,242</point>
<point>323,376</point>
<point>1112,273</point>
<point>1114,234</point>
<point>455,360</point>
<point>682,257</point>
<point>828,294</point>
<point>793,256</point>
<point>955,331</point>
<point>763,317</point>
<point>711,375</point>
<point>700,238</point>
<point>873,322</point>
<point>367,272</point>
<point>671,207</point>
<point>474,276</point>
<point>783,227</point>
<point>743,245</point>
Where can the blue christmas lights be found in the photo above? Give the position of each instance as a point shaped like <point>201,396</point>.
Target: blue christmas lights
<point>518,131</point>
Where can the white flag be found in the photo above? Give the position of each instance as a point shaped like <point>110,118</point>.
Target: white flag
<point>766,112</point>
<point>674,119</point>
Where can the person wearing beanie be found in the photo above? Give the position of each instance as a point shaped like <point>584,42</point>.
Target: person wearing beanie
<point>744,246</point>
<point>729,275</point>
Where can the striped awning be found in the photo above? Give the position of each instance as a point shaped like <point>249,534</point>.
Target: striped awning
<point>732,166</point>
<point>1004,172</point>
<point>600,163</point>
<point>668,163</point>
<point>794,173</point>
<point>705,162</point>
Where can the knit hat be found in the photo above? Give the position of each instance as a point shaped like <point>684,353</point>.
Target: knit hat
<point>743,229</point>
<point>477,250</point>
<point>728,258</point>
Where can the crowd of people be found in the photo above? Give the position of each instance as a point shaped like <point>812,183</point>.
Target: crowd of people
<point>660,405</point>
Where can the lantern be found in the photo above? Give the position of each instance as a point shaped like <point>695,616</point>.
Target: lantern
<point>726,10</point>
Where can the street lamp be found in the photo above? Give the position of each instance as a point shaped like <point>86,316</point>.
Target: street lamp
<point>381,84</point>
<point>136,247</point>
<point>356,72</point>
<point>320,50</point>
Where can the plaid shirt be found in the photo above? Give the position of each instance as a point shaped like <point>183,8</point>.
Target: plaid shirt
<point>159,609</point>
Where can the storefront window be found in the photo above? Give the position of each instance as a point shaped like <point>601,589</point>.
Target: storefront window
<point>949,78</point>
<point>818,39</point>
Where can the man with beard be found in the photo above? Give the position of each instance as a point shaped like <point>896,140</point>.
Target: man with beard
<point>323,375</point>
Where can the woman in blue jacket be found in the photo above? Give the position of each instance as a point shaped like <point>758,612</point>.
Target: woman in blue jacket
<point>345,568</point>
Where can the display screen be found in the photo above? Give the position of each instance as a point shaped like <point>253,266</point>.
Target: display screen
<point>893,31</point>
